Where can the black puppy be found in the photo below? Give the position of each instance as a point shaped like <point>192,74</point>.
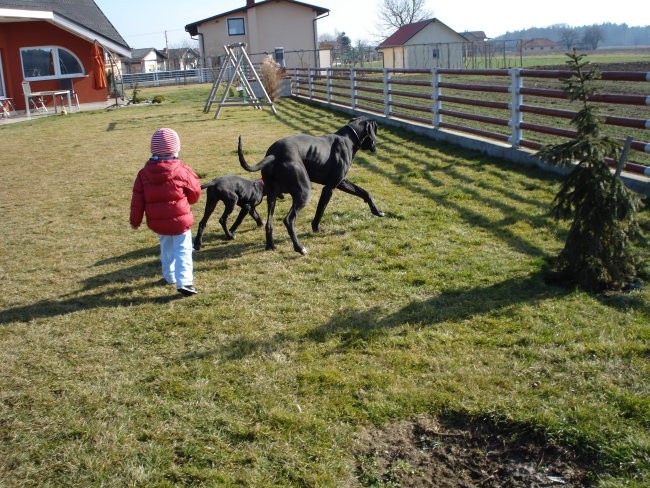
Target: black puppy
<point>233,190</point>
<point>293,163</point>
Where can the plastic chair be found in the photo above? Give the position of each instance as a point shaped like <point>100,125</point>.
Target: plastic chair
<point>67,84</point>
<point>7,107</point>
<point>35,101</point>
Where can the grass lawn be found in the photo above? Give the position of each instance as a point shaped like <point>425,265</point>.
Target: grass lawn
<point>270,374</point>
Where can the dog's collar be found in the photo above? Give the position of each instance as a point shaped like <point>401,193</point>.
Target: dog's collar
<point>359,140</point>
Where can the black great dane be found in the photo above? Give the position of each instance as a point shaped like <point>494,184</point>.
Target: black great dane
<point>234,191</point>
<point>293,163</point>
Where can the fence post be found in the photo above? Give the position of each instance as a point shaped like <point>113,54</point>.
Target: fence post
<point>515,107</point>
<point>293,80</point>
<point>353,88</point>
<point>329,85</point>
<point>310,81</point>
<point>624,154</point>
<point>387,95</point>
<point>435,97</point>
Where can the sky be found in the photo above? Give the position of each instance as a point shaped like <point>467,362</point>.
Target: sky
<point>149,23</point>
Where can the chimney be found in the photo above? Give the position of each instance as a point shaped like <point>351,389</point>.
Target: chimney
<point>250,3</point>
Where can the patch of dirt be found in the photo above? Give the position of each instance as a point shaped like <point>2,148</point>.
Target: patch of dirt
<point>461,453</point>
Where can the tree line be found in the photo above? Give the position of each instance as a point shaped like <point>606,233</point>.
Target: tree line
<point>587,36</point>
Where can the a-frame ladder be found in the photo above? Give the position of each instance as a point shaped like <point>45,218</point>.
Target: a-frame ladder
<point>238,63</point>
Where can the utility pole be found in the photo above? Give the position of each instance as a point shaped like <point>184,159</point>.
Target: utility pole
<point>166,51</point>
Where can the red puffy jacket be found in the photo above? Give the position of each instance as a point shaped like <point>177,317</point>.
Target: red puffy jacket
<point>163,191</point>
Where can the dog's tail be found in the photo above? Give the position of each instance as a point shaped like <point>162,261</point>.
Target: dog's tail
<point>262,164</point>
<point>206,185</point>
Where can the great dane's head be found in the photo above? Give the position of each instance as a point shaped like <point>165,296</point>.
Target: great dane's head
<point>366,130</point>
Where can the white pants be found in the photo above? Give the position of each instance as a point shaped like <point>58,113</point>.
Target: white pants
<point>176,258</point>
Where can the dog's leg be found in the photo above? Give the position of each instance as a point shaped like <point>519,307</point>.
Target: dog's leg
<point>256,217</point>
<point>349,187</point>
<point>210,204</point>
<point>325,197</point>
<point>270,203</point>
<point>299,202</point>
<point>230,205</point>
<point>240,218</point>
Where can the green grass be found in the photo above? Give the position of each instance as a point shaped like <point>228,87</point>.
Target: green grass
<point>108,379</point>
<point>606,56</point>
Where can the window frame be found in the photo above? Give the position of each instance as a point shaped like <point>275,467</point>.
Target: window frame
<point>243,26</point>
<point>56,61</point>
<point>3,88</point>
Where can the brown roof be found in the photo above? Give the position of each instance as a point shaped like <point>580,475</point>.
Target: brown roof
<point>192,28</point>
<point>474,35</point>
<point>406,32</point>
<point>538,42</point>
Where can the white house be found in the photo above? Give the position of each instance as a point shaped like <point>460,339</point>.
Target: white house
<point>423,45</point>
<point>283,28</point>
<point>144,60</point>
<point>539,45</point>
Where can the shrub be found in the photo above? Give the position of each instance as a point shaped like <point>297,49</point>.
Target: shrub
<point>271,76</point>
<point>135,96</point>
<point>597,254</point>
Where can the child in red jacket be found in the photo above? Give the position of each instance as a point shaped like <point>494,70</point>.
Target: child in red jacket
<point>163,191</point>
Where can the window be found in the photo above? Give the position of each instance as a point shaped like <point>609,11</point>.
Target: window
<point>44,63</point>
<point>236,27</point>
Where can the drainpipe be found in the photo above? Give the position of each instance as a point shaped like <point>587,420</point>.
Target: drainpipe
<point>201,40</point>
<point>316,53</point>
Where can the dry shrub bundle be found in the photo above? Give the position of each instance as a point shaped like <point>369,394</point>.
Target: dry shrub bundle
<point>271,77</point>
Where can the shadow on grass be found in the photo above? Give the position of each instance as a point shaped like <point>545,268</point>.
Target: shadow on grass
<point>354,328</point>
<point>145,252</point>
<point>121,292</point>
<point>121,297</point>
<point>216,248</point>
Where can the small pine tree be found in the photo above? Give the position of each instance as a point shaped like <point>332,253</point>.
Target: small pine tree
<point>597,254</point>
<point>135,97</point>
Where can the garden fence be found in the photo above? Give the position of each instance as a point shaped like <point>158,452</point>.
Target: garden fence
<point>488,103</point>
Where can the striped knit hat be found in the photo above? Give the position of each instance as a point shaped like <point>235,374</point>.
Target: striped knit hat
<point>165,142</point>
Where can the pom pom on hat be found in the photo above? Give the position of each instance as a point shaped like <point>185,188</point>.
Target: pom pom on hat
<point>165,142</point>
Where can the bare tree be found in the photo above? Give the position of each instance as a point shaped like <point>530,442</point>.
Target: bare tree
<point>568,36</point>
<point>394,14</point>
<point>182,54</point>
<point>327,37</point>
<point>592,36</point>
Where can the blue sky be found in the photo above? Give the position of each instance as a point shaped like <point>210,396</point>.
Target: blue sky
<point>143,23</point>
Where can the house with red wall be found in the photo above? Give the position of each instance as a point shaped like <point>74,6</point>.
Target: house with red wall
<point>56,44</point>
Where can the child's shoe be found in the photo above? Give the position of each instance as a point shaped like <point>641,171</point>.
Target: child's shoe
<point>187,290</point>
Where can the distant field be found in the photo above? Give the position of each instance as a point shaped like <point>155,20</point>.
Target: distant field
<point>641,56</point>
